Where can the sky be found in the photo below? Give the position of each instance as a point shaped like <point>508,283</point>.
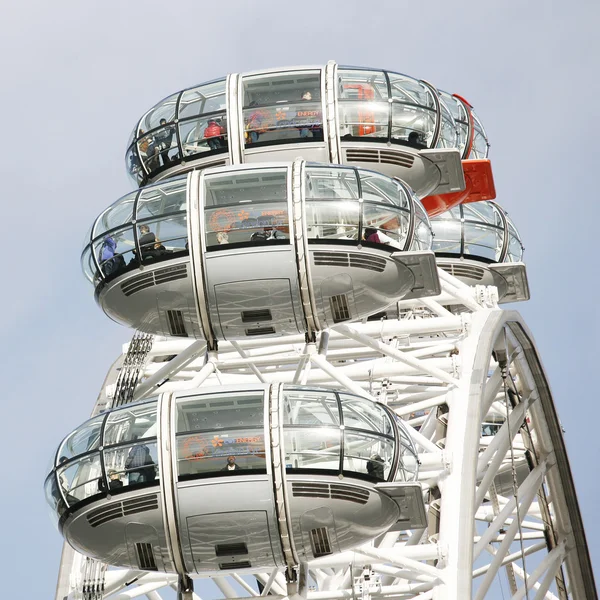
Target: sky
<point>75,76</point>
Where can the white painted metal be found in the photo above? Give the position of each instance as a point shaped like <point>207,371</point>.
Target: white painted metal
<point>443,374</point>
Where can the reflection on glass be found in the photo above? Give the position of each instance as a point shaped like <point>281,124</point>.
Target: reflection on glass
<point>480,147</point>
<point>207,98</point>
<point>130,465</point>
<point>162,199</point>
<point>324,183</point>
<point>78,480</point>
<point>367,454</point>
<point>220,411</point>
<point>163,111</point>
<point>117,214</point>
<point>281,107</point>
<point>332,220</point>
<point>310,408</point>
<point>369,416</point>
<point>115,251</point>
<point>377,188</point>
<point>515,247</point>
<point>82,440</point>
<point>387,226</point>
<point>317,448</point>
<point>131,423</point>
<point>423,236</point>
<point>225,453</point>
<point>204,134</point>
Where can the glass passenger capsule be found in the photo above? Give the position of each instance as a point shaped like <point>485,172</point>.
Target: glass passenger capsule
<point>261,250</point>
<point>213,468</point>
<point>330,114</point>
<point>478,244</point>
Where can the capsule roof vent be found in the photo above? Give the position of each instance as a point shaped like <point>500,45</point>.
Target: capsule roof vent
<point>362,260</point>
<point>253,316</point>
<point>242,564</point>
<point>176,323</point>
<point>233,549</point>
<point>260,331</point>
<point>339,308</point>
<point>463,270</point>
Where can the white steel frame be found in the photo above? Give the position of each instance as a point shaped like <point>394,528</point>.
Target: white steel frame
<point>498,505</point>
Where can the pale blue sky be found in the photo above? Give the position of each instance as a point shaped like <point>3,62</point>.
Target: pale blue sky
<point>77,74</point>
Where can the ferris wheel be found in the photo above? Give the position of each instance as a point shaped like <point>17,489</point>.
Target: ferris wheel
<point>323,398</point>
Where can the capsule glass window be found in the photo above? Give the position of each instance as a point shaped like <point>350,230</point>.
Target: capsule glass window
<point>116,251</point>
<point>118,214</point>
<point>82,440</point>
<point>311,408</point>
<point>161,199</point>
<point>363,105</point>
<point>137,421</point>
<point>317,448</point>
<point>79,479</point>
<point>282,107</point>
<point>246,206</point>
<point>447,228</point>
<point>131,464</point>
<point>366,454</point>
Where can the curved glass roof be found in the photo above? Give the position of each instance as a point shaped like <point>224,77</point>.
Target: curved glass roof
<point>228,117</point>
<point>479,230</point>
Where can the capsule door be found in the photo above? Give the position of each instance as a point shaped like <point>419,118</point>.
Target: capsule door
<point>249,262</point>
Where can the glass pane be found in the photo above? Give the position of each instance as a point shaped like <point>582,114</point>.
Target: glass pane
<point>363,414</point>
<point>412,126</point>
<point>408,90</point>
<point>254,222</point>
<point>332,220</point>
<point>163,237</point>
<point>245,187</point>
<point>312,449</point>
<point>80,479</point>
<point>118,214</point>
<point>324,183</point>
<point>484,241</point>
<point>283,107</point>
<point>87,265</point>
<point>448,232</point>
<point>480,144</point>
<point>377,188</point>
<point>163,111</point>
<point>369,455</point>
<point>203,99</point>
<point>361,85</point>
<point>365,120</point>
<point>423,235</point>
<point>53,497</point>
<point>131,423</point>
<point>220,411</point>
<point>161,199</point>
<point>130,465</point>
<point>383,225</point>
<point>226,453</point>
<point>204,134</point>
<point>485,212</point>
<point>515,247</point>
<point>83,439</point>
<point>310,408</point>
<point>133,164</point>
<point>161,148</point>
<point>115,251</point>
<point>448,132</point>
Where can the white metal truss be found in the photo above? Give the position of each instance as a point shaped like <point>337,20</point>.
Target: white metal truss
<point>466,379</point>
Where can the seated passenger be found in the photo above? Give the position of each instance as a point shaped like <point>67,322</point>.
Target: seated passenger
<point>149,245</point>
<point>222,237</point>
<point>375,467</point>
<point>231,465</point>
<point>316,128</point>
<point>214,134</point>
<point>266,235</point>
<point>114,481</point>
<point>415,140</point>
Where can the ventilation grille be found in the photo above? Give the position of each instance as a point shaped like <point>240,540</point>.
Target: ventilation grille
<point>352,259</point>
<point>339,308</point>
<point>231,549</point>
<point>242,564</point>
<point>121,509</point>
<point>336,491</point>
<point>176,324</point>
<point>319,541</point>
<point>260,331</point>
<point>252,316</point>
<point>146,280</point>
<point>371,155</point>
<point>145,557</point>
<point>464,270</point>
